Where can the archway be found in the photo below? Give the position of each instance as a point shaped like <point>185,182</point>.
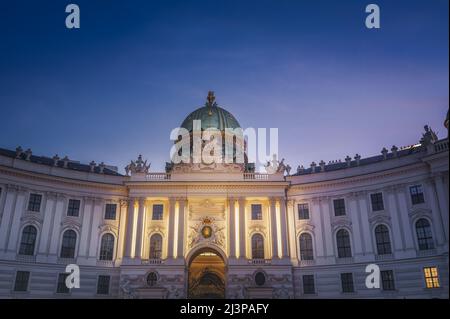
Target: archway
<point>206,274</point>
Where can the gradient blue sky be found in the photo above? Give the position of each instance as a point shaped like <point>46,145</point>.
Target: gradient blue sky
<point>117,86</point>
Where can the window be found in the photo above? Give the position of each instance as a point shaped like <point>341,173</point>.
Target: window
<point>155,246</point>
<point>107,247</point>
<point>308,284</point>
<point>73,209</point>
<point>110,211</point>
<point>21,283</point>
<point>339,207</point>
<point>28,241</point>
<point>68,244</point>
<point>303,211</point>
<point>306,247</point>
<point>257,246</point>
<point>343,244</point>
<point>377,201</point>
<point>103,285</point>
<point>416,194</point>
<point>34,203</point>
<point>158,212</point>
<point>347,282</point>
<point>424,235</point>
<point>260,279</point>
<point>383,240</point>
<point>431,277</point>
<point>387,280</point>
<point>152,279</point>
<point>256,212</point>
<point>61,287</point>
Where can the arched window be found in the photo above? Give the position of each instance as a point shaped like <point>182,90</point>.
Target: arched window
<point>306,247</point>
<point>343,244</point>
<point>257,246</point>
<point>424,235</point>
<point>107,247</point>
<point>152,279</point>
<point>68,245</point>
<point>260,278</point>
<point>155,246</point>
<point>28,240</point>
<point>383,240</point>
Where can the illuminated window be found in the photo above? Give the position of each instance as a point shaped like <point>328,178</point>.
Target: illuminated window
<point>158,211</point>
<point>256,212</point>
<point>416,194</point>
<point>431,277</point>
<point>424,235</point>
<point>306,247</point>
<point>339,207</point>
<point>303,211</point>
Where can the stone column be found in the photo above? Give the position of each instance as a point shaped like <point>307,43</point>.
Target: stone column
<point>232,227</point>
<point>139,228</point>
<point>122,228</point>
<point>273,227</point>
<point>242,229</point>
<point>129,231</point>
<point>292,230</point>
<point>397,235</point>
<point>404,217</point>
<point>182,203</point>
<point>20,207</point>
<point>171,222</point>
<point>283,229</point>
<point>437,224</point>
<point>442,196</point>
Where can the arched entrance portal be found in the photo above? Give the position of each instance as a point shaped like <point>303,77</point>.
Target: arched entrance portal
<point>206,278</point>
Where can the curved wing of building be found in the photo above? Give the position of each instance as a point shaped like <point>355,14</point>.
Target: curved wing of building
<point>197,231</point>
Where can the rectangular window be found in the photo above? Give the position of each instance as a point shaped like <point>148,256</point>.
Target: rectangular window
<point>21,283</point>
<point>308,284</point>
<point>73,208</point>
<point>110,212</point>
<point>158,212</point>
<point>103,285</point>
<point>61,287</point>
<point>256,212</point>
<point>416,194</point>
<point>347,282</point>
<point>339,207</point>
<point>431,277</point>
<point>303,211</point>
<point>377,201</point>
<point>387,280</point>
<point>34,203</point>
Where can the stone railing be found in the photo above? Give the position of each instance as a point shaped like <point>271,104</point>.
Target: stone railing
<point>256,176</point>
<point>155,261</point>
<point>259,261</point>
<point>441,146</point>
<point>158,176</point>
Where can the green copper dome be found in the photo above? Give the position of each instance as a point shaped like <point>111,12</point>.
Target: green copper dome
<point>212,116</point>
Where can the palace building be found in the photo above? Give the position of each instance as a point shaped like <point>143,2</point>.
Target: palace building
<point>224,230</point>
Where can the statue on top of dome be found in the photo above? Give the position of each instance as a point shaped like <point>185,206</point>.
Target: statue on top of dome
<point>210,99</point>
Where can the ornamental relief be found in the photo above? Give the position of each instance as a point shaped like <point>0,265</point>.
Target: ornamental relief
<point>342,221</point>
<point>206,231</point>
<point>108,228</point>
<point>419,212</point>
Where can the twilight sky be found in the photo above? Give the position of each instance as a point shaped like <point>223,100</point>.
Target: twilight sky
<point>117,86</point>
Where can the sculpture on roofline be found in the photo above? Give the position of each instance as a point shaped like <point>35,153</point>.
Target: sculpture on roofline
<point>138,166</point>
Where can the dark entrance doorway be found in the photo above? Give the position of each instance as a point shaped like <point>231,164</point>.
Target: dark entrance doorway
<point>206,276</point>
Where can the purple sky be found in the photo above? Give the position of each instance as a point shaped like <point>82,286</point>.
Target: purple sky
<point>117,86</point>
